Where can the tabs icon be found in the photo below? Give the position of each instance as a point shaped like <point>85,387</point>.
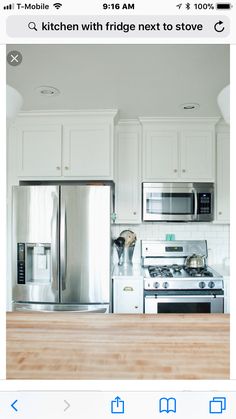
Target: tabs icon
<point>217,405</point>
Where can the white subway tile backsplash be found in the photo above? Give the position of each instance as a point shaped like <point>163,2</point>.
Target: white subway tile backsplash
<point>217,236</point>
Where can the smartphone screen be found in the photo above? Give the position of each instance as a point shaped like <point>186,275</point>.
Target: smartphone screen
<point>116,160</point>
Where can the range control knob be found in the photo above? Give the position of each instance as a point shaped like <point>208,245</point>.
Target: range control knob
<point>202,284</point>
<point>165,285</point>
<point>211,284</point>
<point>156,285</point>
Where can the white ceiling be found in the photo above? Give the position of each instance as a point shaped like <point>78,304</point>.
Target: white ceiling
<point>139,80</point>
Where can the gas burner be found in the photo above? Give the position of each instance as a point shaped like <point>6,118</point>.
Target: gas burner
<point>160,271</point>
<point>167,273</point>
<point>198,272</point>
<point>177,268</point>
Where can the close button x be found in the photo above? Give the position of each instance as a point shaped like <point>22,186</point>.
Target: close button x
<point>14,58</point>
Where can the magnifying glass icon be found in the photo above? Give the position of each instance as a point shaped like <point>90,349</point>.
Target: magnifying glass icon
<point>32,25</point>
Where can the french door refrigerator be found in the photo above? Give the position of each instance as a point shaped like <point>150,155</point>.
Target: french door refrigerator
<point>61,247</point>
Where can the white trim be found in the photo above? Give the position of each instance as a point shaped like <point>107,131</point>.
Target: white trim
<point>182,120</point>
<point>90,112</point>
<point>222,127</point>
<point>125,122</point>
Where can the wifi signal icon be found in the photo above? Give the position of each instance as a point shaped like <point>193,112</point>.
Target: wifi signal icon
<point>57,5</point>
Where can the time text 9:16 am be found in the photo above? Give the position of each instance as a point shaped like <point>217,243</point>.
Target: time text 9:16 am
<point>118,6</point>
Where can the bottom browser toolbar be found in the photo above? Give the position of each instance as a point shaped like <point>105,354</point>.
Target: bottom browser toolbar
<point>101,404</point>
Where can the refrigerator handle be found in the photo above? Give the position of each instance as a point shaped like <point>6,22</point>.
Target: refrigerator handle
<point>63,245</point>
<point>55,241</point>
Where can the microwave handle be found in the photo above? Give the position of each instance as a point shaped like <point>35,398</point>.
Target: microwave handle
<point>195,204</point>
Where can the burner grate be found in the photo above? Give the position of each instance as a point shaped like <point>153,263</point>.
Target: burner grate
<point>160,271</point>
<point>178,271</point>
<point>199,272</point>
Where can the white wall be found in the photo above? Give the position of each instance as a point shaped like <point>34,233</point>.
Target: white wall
<point>217,237</point>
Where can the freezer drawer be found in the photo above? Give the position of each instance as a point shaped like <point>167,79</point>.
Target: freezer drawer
<point>96,308</point>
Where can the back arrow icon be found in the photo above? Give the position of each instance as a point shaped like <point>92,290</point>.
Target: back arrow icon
<point>67,405</point>
<point>13,405</point>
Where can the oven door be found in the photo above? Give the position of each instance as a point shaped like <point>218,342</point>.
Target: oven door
<point>184,304</point>
<point>169,202</point>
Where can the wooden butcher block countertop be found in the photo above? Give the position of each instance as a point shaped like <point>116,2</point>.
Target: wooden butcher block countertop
<point>110,346</point>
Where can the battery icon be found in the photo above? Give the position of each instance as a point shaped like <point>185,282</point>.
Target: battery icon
<point>223,6</point>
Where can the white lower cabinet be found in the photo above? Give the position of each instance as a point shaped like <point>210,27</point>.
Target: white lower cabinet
<point>128,295</point>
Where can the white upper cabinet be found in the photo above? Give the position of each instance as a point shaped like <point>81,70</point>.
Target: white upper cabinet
<point>197,154</point>
<point>64,144</point>
<point>88,151</point>
<point>161,155</point>
<point>128,173</point>
<point>223,177</point>
<point>179,149</point>
<point>39,149</point>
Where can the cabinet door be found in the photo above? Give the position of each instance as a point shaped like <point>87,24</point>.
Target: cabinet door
<point>88,151</point>
<point>197,155</point>
<point>128,295</point>
<point>223,178</point>
<point>40,150</point>
<point>127,178</point>
<point>160,155</point>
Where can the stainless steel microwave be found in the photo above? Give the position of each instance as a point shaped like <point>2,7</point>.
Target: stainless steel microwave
<point>178,201</point>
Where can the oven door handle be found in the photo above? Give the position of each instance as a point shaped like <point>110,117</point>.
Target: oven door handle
<point>195,204</point>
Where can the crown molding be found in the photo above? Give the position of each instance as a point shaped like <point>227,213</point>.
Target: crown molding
<point>182,120</point>
<point>83,112</point>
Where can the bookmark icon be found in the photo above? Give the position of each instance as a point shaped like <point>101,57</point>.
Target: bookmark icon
<point>167,405</point>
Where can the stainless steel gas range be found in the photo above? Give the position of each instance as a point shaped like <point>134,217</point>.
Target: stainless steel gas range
<point>171,287</point>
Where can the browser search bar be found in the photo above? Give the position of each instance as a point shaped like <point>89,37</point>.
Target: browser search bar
<point>118,26</point>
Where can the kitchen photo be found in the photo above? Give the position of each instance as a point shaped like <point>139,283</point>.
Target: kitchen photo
<point>118,223</point>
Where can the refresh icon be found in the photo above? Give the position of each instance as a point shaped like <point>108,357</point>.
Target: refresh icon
<point>218,26</point>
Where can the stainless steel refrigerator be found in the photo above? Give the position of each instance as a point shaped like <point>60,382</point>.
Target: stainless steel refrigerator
<point>61,247</point>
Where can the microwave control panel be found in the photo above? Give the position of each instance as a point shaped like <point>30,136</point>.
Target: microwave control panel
<point>204,203</point>
<point>21,263</point>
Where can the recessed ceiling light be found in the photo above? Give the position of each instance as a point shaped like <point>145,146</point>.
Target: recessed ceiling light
<point>190,106</point>
<point>48,90</point>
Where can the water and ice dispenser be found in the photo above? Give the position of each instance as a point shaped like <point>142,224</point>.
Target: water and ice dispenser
<point>33,263</point>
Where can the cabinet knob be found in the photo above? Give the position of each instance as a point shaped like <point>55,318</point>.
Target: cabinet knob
<point>135,306</point>
<point>175,170</point>
<point>66,167</point>
<point>220,213</point>
<point>183,170</point>
<point>113,216</point>
<point>58,168</point>
<point>134,212</point>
